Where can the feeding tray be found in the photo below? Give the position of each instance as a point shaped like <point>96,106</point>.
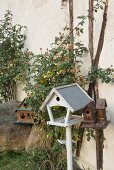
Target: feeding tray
<point>61,121</point>
<point>63,142</point>
<point>102,125</point>
<point>95,126</point>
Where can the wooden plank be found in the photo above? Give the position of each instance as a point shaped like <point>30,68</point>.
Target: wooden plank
<point>17,122</point>
<point>25,109</point>
<point>79,142</point>
<point>99,149</point>
<point>96,126</point>
<point>61,122</point>
<point>64,141</point>
<point>101,104</point>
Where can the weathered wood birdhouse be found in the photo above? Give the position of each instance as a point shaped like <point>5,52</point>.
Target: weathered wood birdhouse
<point>24,114</point>
<point>95,115</point>
<point>72,97</point>
<point>101,110</point>
<point>89,114</point>
<point>102,121</point>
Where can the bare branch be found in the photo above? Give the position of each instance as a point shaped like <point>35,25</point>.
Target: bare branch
<point>71,17</point>
<point>91,16</point>
<point>102,34</point>
<point>79,22</point>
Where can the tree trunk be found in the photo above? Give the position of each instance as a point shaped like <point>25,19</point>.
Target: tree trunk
<point>91,17</point>
<point>93,86</point>
<point>71,17</point>
<point>102,34</point>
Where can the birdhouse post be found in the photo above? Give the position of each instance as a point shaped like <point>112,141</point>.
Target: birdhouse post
<point>73,98</point>
<point>95,117</point>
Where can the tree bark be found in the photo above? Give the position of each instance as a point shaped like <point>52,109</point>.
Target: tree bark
<point>99,148</point>
<point>71,17</point>
<point>102,34</point>
<point>93,86</point>
<point>91,17</point>
<point>79,142</point>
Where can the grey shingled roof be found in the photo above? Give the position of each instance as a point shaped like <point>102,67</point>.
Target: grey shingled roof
<point>73,94</point>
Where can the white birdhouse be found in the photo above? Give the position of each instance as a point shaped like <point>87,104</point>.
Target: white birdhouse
<point>72,97</point>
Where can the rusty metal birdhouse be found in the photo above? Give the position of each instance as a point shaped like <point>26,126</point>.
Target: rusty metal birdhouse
<point>24,114</point>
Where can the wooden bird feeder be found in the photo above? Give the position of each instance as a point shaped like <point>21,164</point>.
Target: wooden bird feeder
<point>95,118</point>
<point>101,110</point>
<point>24,114</point>
<point>102,121</point>
<point>89,114</point>
<point>73,98</point>
<point>95,115</point>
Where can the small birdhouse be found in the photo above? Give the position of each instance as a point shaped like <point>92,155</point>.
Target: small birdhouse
<point>101,110</point>
<point>95,115</point>
<point>24,114</point>
<point>89,114</point>
<point>72,97</point>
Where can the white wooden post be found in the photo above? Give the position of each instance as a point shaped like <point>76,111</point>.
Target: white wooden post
<point>69,148</point>
<point>67,116</point>
<point>50,113</point>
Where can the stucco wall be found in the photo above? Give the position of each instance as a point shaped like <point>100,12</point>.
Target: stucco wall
<point>44,20</point>
<point>88,152</point>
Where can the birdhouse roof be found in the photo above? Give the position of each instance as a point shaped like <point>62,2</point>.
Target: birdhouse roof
<point>101,104</point>
<point>19,107</point>
<point>75,97</point>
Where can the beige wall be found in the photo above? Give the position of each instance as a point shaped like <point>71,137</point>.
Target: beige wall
<point>88,152</point>
<point>44,20</point>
